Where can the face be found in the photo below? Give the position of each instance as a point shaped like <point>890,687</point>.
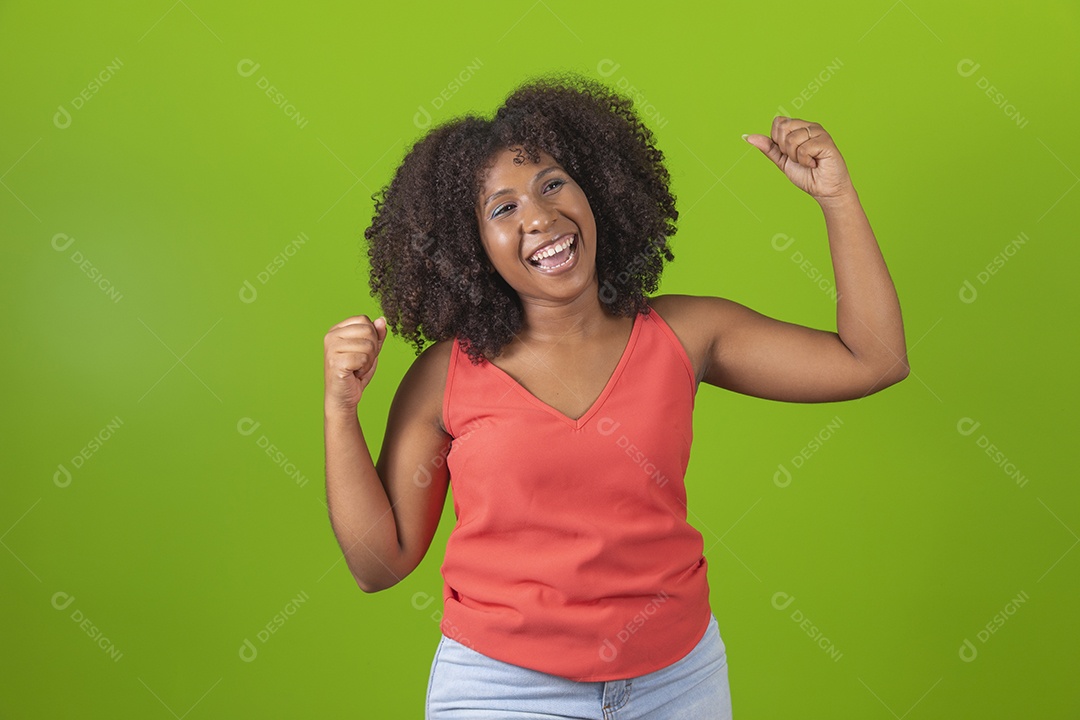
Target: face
<point>537,228</point>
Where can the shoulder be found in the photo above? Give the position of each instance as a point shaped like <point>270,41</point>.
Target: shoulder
<point>424,384</point>
<point>697,321</point>
<point>674,308</point>
<point>694,315</point>
<point>435,357</point>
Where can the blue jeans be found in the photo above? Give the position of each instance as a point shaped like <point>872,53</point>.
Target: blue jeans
<point>466,685</point>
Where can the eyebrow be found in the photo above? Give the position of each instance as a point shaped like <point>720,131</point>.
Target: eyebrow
<point>542,173</point>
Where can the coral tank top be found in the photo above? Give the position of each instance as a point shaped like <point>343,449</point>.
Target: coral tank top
<point>571,553</point>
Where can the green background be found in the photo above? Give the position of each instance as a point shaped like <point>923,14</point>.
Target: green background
<point>180,539</point>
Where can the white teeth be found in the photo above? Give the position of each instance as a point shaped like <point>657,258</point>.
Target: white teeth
<point>553,249</point>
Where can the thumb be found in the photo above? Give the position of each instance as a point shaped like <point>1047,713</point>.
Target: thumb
<point>768,148</point>
<point>380,329</point>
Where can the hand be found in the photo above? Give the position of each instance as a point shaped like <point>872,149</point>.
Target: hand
<point>352,352</point>
<point>807,155</point>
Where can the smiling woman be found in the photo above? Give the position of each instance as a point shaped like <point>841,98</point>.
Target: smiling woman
<point>428,260</point>
<point>556,213</point>
<point>525,248</point>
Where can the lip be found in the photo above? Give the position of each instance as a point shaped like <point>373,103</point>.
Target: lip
<point>569,264</point>
<point>548,243</point>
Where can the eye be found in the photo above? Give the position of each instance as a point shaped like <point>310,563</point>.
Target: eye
<point>553,183</point>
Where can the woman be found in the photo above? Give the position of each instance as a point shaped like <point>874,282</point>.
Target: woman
<point>557,398</point>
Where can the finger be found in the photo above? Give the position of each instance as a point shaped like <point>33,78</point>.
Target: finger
<point>808,141</point>
<point>776,130</point>
<point>792,135</point>
<point>356,360</point>
<point>354,320</point>
<point>353,332</point>
<point>338,346</point>
<point>810,148</point>
<point>351,329</point>
<point>380,329</point>
<point>805,149</point>
<point>347,346</point>
<point>767,147</point>
<point>783,126</point>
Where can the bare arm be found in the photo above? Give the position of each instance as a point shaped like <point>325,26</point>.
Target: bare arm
<point>737,348</point>
<point>383,517</point>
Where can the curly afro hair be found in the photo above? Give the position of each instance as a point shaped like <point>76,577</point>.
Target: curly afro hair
<point>428,267</point>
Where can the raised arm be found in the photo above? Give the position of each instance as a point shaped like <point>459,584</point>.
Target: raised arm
<point>384,517</point>
<point>737,348</point>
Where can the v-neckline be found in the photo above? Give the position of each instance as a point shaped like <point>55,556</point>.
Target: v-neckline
<point>578,423</point>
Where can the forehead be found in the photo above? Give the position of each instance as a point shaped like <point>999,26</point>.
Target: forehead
<point>511,166</point>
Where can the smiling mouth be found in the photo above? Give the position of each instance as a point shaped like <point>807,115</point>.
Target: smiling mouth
<point>555,256</point>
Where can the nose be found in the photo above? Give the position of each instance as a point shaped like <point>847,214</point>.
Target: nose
<point>539,216</point>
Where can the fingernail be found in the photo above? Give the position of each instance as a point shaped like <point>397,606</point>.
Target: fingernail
<point>745,136</point>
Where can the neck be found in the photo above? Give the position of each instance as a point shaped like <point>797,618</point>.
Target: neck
<point>577,319</point>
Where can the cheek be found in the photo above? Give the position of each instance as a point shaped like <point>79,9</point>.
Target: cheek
<point>499,249</point>
<point>582,207</point>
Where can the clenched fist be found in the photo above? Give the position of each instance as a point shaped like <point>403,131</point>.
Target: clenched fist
<point>352,352</point>
<point>806,153</point>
